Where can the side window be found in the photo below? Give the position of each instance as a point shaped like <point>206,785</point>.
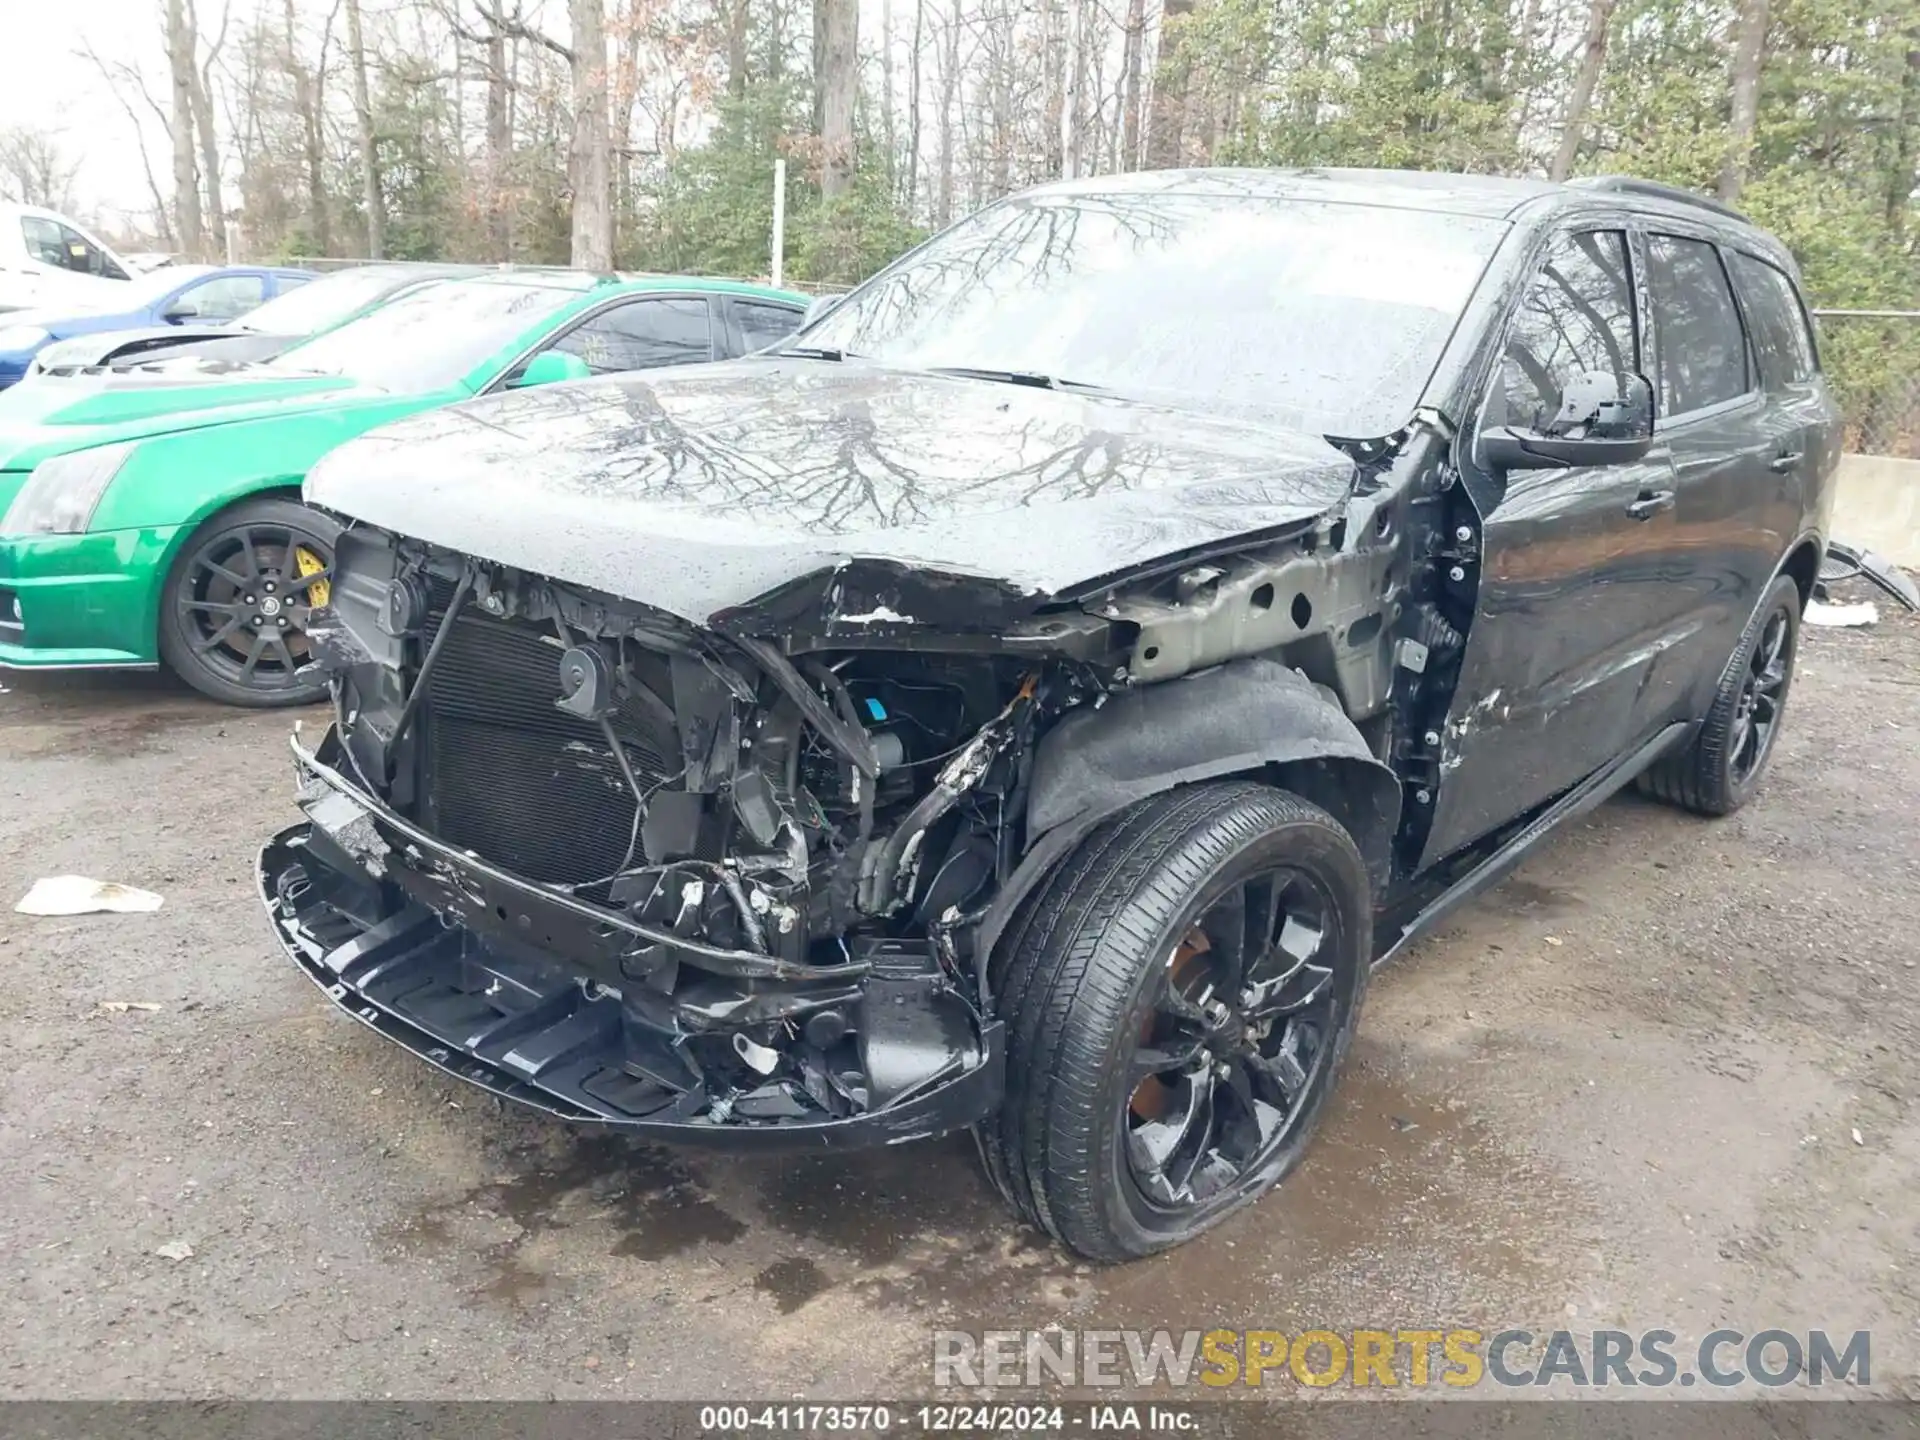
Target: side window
<point>762,326</point>
<point>1780,332</point>
<point>642,336</point>
<point>1702,356</point>
<point>1577,319</point>
<point>225,298</point>
<point>43,240</point>
<point>86,257</point>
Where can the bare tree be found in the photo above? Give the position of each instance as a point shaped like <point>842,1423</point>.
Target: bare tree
<point>120,79</point>
<point>737,49</point>
<point>1593,58</point>
<point>837,84</point>
<point>186,187</point>
<point>1073,121</point>
<point>999,33</point>
<point>204,126</point>
<point>1053,52</point>
<point>949,68</point>
<point>1166,140</point>
<point>371,201</point>
<point>1749,48</point>
<point>911,196</point>
<point>499,134</point>
<point>888,136</point>
<point>589,152</point>
<point>35,169</point>
<point>587,158</point>
<point>819,68</point>
<point>1131,64</point>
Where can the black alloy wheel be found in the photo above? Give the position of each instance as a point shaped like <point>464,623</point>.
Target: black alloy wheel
<point>1762,697</point>
<point>237,606</point>
<point>1178,994</point>
<point>1236,1028</point>
<point>1721,769</point>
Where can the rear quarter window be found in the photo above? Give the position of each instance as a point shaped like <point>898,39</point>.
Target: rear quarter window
<point>762,325</point>
<point>1778,321</point>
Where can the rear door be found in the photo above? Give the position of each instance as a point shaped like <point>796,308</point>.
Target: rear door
<point>1571,605</point>
<point>1803,421</point>
<point>1729,447</point>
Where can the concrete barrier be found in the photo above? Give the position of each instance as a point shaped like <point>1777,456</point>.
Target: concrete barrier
<point>1876,505</point>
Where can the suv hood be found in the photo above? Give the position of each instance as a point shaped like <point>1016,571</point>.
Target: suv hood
<point>701,490</point>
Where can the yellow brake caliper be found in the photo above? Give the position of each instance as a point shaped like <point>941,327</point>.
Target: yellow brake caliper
<point>307,563</point>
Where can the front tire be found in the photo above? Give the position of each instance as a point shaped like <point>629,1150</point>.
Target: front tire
<point>235,608</point>
<point>1179,995</point>
<point>1720,771</point>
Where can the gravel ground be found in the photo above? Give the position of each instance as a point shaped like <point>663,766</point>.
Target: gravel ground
<point>1620,1090</point>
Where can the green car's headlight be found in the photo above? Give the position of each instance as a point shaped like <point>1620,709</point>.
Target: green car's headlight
<point>60,495</point>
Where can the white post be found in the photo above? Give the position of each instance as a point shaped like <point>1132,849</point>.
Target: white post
<point>779,221</point>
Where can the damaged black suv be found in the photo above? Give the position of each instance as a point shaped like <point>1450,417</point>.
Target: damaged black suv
<point>1033,697</point>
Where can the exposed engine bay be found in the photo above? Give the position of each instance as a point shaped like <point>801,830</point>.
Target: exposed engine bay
<point>742,880</point>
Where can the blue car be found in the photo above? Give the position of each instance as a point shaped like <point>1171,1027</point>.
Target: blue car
<point>173,295</point>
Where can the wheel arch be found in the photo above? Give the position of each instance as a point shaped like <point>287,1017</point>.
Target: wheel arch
<point>1247,719</point>
<point>215,504</point>
<point>1803,564</point>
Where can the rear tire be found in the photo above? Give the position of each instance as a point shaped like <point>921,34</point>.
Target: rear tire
<point>235,608</point>
<point>1179,995</point>
<point>1720,771</point>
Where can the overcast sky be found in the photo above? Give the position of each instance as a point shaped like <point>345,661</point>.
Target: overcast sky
<point>46,83</point>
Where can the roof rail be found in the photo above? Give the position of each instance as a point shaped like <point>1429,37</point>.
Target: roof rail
<point>1654,190</point>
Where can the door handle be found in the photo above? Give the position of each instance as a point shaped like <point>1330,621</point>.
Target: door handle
<point>1650,503</point>
<point>1782,463</point>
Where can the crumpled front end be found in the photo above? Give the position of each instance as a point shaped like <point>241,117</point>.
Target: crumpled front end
<point>739,883</point>
<point>416,941</point>
<point>635,872</point>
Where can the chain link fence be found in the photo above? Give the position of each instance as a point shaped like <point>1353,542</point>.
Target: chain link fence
<point>1872,359</point>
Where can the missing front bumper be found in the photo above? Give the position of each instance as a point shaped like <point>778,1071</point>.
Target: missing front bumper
<point>478,1003</point>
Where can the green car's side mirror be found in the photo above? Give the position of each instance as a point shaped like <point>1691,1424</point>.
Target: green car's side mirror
<point>550,367</point>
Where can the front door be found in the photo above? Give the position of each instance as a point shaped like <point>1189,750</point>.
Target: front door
<point>1571,602</point>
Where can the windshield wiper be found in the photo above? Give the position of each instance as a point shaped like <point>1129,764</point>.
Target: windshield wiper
<point>815,352</point>
<point>1018,377</point>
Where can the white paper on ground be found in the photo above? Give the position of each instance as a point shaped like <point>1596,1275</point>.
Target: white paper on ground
<point>1841,616</point>
<point>77,895</point>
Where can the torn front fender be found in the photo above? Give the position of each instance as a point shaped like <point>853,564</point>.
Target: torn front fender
<point>1246,717</point>
<point>1243,717</point>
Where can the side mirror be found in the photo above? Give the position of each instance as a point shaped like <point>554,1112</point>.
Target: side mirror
<point>550,367</point>
<point>181,313</point>
<point>1602,420</point>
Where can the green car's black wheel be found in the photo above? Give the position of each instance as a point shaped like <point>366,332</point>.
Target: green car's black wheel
<point>1721,769</point>
<point>234,614</point>
<point>1178,997</point>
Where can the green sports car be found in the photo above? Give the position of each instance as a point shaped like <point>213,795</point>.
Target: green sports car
<point>155,515</point>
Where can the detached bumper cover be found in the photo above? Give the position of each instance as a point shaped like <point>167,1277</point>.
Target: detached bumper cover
<point>536,1029</point>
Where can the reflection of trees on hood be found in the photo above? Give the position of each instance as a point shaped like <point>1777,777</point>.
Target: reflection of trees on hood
<point>845,452</point>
